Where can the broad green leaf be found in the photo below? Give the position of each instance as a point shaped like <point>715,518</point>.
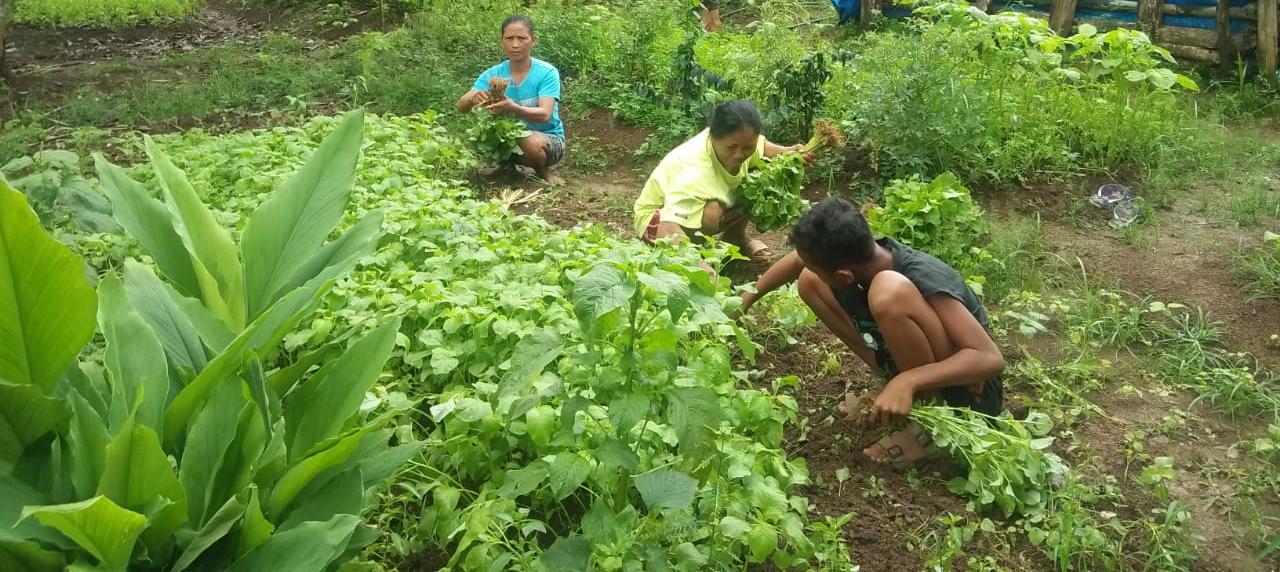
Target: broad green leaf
<point>532,354</point>
<point>261,336</point>
<point>540,424</point>
<point>617,454</point>
<point>569,411</point>
<point>26,414</point>
<point>673,286</point>
<point>282,380</point>
<point>733,527</point>
<point>320,408</point>
<point>286,229</point>
<point>1189,84</point>
<point>341,494</point>
<point>97,525</point>
<point>383,465</point>
<point>243,460</point>
<point>599,292</point>
<point>79,380</point>
<point>18,495</point>
<point>628,409</point>
<point>693,412</point>
<point>155,302</point>
<point>569,554</point>
<point>28,556</point>
<point>46,305</point>
<point>256,529</point>
<point>222,289</point>
<point>309,547</point>
<point>87,442</point>
<point>602,526</point>
<point>339,256</point>
<point>299,475</point>
<point>135,472</point>
<point>134,356</point>
<point>664,490</point>
<point>147,220</point>
<point>567,472</point>
<point>762,540</point>
<point>219,526</point>
<point>208,443</point>
<point>522,481</point>
<point>267,401</point>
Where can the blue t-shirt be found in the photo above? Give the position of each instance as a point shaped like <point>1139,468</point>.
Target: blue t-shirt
<point>543,81</point>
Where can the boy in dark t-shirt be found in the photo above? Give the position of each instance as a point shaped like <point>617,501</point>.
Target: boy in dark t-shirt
<point>907,314</point>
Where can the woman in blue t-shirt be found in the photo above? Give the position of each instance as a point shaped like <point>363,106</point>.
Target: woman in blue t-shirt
<point>533,95</point>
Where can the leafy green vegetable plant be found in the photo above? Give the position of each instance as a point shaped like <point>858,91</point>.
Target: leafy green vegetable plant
<point>772,186</point>
<point>191,445</point>
<point>936,216</point>
<point>1009,465</point>
<point>58,193</point>
<point>496,140</point>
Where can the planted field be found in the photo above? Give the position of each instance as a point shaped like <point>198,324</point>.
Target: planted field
<point>276,314</point>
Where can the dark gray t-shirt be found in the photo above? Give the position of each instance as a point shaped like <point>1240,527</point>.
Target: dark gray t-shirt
<point>931,276</point>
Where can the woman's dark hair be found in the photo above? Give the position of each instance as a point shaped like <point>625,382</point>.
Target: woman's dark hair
<point>834,235</point>
<point>517,19</point>
<point>731,116</point>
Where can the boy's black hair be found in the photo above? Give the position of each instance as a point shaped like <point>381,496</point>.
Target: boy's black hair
<point>517,19</point>
<point>834,235</point>
<point>733,115</point>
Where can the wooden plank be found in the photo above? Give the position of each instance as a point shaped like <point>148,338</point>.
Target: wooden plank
<point>1247,12</point>
<point>1201,38</point>
<point>1061,15</point>
<point>1267,40</point>
<point>1226,52</point>
<point>1193,53</point>
<point>1149,16</point>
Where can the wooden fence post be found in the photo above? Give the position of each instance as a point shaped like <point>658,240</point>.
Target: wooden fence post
<point>1061,15</point>
<point>1267,40</point>
<point>1226,48</point>
<point>1150,12</point>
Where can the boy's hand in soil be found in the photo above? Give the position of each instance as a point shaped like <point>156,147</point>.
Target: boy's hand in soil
<point>502,106</point>
<point>894,401</point>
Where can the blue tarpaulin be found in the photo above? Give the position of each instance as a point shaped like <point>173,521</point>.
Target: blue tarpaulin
<point>848,9</point>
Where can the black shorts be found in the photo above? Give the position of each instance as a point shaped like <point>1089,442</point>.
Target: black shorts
<point>990,401</point>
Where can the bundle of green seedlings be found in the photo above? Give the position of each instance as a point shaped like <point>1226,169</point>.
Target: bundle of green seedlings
<point>496,139</point>
<point>771,190</point>
<point>1010,466</point>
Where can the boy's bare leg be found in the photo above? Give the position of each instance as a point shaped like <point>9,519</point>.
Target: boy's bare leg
<point>915,337</point>
<point>822,300</point>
